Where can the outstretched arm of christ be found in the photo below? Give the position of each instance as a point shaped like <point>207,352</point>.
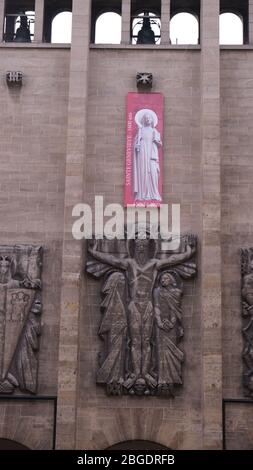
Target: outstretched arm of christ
<point>176,258</point>
<point>107,258</point>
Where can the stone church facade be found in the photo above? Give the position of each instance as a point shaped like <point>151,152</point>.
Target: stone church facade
<point>62,143</point>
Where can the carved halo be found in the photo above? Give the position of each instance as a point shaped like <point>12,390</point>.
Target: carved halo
<point>139,117</point>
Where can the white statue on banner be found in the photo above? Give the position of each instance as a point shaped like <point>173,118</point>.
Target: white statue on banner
<point>146,168</point>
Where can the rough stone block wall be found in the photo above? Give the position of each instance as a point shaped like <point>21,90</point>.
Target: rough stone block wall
<point>33,147</point>
<point>29,423</point>
<point>237,228</point>
<point>33,130</point>
<point>104,421</point>
<point>239,426</point>
<point>237,214</point>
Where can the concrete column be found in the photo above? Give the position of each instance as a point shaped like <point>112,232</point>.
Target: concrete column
<point>165,22</point>
<point>72,256</point>
<point>250,21</point>
<point>211,234</point>
<point>39,20</point>
<point>2,11</point>
<point>126,22</point>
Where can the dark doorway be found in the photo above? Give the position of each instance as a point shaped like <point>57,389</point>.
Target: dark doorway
<point>137,445</point>
<point>8,444</point>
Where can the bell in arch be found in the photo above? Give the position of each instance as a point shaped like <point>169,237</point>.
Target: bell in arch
<point>146,35</point>
<point>23,32</point>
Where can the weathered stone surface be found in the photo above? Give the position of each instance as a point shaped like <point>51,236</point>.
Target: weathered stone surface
<point>20,317</point>
<point>247,313</point>
<point>37,188</point>
<point>141,313</point>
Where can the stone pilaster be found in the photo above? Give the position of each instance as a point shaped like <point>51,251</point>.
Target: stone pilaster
<point>250,21</point>
<point>72,262</point>
<point>39,20</point>
<point>126,22</point>
<point>211,220</point>
<point>165,22</point>
<point>2,10</point>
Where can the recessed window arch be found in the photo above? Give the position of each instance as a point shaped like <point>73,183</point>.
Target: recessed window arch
<point>146,28</point>
<point>231,29</point>
<point>108,28</point>
<point>184,29</point>
<point>57,26</point>
<point>61,31</point>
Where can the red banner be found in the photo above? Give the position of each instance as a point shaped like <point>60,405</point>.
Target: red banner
<point>144,149</point>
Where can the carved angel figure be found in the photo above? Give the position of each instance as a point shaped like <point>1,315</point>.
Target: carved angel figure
<point>132,305</point>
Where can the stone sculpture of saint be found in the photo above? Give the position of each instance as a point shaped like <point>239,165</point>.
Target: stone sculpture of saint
<point>247,298</point>
<point>113,330</point>
<point>23,368</point>
<point>168,332</point>
<point>146,166</point>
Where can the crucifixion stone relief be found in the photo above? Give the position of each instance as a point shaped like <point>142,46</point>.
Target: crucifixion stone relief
<point>141,306</point>
<point>20,317</point>
<point>247,312</point>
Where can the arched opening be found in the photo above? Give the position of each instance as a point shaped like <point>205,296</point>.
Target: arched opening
<point>108,28</point>
<point>137,445</point>
<point>146,28</point>
<point>231,29</point>
<point>57,26</point>
<point>184,29</point>
<point>8,444</point>
<point>62,28</point>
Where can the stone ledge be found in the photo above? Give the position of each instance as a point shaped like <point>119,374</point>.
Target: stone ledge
<point>196,47</point>
<point>42,45</point>
<point>247,47</point>
<point>120,46</point>
<point>135,47</point>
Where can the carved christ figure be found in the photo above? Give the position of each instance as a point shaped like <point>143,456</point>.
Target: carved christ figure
<point>141,269</point>
<point>146,157</point>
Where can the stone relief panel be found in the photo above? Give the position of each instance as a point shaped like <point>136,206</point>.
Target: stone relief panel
<point>20,317</point>
<point>141,306</point>
<point>247,313</point>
